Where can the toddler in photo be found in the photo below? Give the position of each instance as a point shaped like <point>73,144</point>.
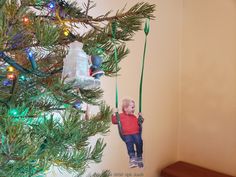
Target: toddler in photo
<point>131,132</point>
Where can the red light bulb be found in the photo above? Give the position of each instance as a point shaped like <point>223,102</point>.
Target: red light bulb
<point>26,20</point>
<point>11,76</point>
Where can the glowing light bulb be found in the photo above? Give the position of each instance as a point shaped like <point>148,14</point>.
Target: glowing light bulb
<point>13,112</point>
<point>30,54</point>
<point>51,5</point>
<point>25,20</point>
<point>22,77</point>
<point>66,32</point>
<point>10,69</point>
<point>11,76</point>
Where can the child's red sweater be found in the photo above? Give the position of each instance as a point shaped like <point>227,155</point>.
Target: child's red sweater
<point>129,123</point>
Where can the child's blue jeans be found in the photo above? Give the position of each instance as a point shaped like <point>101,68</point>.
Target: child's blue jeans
<point>131,141</point>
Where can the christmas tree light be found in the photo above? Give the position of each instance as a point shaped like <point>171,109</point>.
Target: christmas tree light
<point>13,112</point>
<point>25,20</point>
<point>51,5</point>
<point>11,76</point>
<point>10,69</point>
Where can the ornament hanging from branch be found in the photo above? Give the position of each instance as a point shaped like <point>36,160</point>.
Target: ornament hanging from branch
<point>77,67</point>
<point>95,69</point>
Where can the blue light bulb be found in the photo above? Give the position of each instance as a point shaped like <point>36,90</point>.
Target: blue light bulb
<point>7,82</point>
<point>30,54</point>
<point>51,5</point>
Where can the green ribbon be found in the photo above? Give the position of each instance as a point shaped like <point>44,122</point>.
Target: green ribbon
<point>114,26</point>
<point>146,31</point>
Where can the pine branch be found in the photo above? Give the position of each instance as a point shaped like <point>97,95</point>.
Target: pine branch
<point>141,10</point>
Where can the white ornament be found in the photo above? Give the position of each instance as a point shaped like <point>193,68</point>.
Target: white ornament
<point>76,67</point>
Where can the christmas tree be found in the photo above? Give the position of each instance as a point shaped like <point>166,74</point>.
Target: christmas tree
<point>42,123</point>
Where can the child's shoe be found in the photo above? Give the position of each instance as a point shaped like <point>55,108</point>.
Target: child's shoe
<point>139,162</point>
<point>132,163</point>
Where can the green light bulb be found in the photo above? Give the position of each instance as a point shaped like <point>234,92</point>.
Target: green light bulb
<point>13,112</point>
<point>22,77</point>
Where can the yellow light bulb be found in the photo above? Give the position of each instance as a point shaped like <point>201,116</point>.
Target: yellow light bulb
<point>66,32</point>
<point>10,69</point>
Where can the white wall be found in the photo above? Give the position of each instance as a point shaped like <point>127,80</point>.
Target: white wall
<point>208,99</point>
